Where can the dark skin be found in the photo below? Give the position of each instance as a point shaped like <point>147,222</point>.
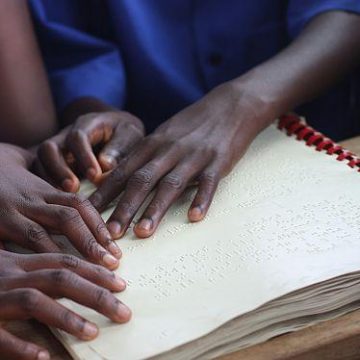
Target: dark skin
<point>65,157</point>
<point>30,283</point>
<point>32,209</point>
<point>202,143</point>
<point>25,98</point>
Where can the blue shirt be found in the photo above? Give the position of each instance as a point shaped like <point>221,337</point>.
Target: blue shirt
<point>155,57</point>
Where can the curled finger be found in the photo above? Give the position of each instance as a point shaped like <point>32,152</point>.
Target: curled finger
<point>51,157</point>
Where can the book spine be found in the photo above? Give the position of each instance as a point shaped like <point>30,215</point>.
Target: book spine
<point>294,125</point>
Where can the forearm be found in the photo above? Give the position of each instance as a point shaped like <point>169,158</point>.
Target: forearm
<point>27,113</point>
<point>324,52</point>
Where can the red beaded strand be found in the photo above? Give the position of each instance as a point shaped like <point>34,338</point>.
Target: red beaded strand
<point>294,125</point>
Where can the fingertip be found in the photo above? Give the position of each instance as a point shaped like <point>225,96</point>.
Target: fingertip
<point>43,355</point>
<point>110,262</point>
<point>123,313</point>
<point>35,352</point>
<point>144,228</point>
<point>107,162</point>
<point>71,185</point>
<point>195,214</point>
<point>115,229</point>
<point>90,331</point>
<point>93,174</point>
<point>115,250</point>
<point>120,283</point>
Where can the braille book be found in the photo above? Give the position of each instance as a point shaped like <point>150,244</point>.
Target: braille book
<point>278,251</point>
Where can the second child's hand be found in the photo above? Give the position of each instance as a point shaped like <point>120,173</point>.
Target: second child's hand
<point>30,283</point>
<point>31,209</point>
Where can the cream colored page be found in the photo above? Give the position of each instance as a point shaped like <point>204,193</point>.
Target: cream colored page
<point>286,217</point>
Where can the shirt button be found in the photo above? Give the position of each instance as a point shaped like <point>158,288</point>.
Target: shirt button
<point>215,59</point>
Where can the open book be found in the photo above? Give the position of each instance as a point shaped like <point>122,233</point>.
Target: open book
<point>278,251</point>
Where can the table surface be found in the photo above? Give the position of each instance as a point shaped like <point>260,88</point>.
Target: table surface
<point>330,340</point>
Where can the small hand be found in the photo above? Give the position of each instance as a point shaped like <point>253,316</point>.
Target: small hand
<point>28,284</point>
<point>70,154</point>
<point>31,209</point>
<point>201,144</point>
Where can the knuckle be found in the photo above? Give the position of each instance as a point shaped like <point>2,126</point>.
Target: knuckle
<point>70,261</point>
<point>67,215</point>
<point>47,147</point>
<point>76,135</point>
<point>211,178</point>
<point>29,299</point>
<point>83,119</point>
<point>127,207</point>
<point>117,177</point>
<point>158,205</point>
<point>142,179</point>
<point>34,235</point>
<point>79,201</point>
<point>91,247</point>
<point>97,199</point>
<point>60,276</point>
<point>71,319</point>
<point>154,140</point>
<point>132,122</point>
<point>101,296</point>
<point>174,181</point>
<point>100,228</point>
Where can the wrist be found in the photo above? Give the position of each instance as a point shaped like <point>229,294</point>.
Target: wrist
<point>253,100</point>
<point>20,155</point>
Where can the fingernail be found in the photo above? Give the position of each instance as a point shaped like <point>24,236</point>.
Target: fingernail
<point>121,282</point>
<point>91,173</point>
<point>145,224</point>
<point>67,184</point>
<point>114,249</point>
<point>115,228</point>
<point>43,355</point>
<point>123,312</point>
<point>195,214</point>
<point>109,260</point>
<point>90,330</point>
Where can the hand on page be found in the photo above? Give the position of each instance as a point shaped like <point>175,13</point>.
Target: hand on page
<point>31,209</point>
<point>200,145</point>
<point>28,285</point>
<point>65,157</point>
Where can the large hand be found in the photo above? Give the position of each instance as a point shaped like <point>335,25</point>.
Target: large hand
<point>29,282</point>
<point>31,209</point>
<point>200,144</point>
<point>70,154</point>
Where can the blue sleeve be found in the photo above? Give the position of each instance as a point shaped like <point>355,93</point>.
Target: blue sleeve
<point>300,12</point>
<point>79,63</point>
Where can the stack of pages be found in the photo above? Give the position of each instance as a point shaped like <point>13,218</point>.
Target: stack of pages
<point>278,251</point>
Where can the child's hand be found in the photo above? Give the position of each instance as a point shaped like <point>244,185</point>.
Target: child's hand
<point>28,284</point>
<point>31,209</point>
<point>70,154</point>
<point>200,144</point>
